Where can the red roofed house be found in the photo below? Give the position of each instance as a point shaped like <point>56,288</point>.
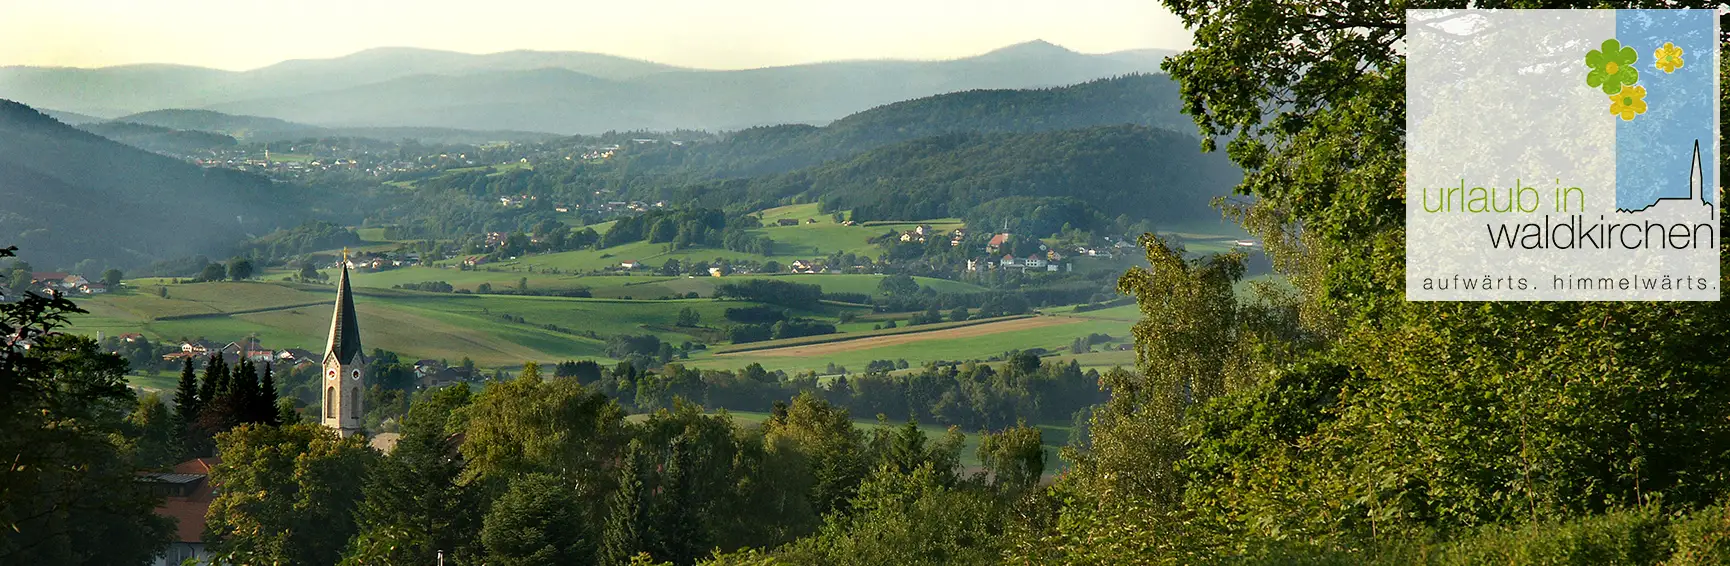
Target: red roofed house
<point>996,243</point>
<point>186,498</point>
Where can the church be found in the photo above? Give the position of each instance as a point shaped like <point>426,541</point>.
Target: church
<point>344,364</point>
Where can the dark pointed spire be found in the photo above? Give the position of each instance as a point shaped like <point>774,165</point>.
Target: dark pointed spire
<point>344,328</point>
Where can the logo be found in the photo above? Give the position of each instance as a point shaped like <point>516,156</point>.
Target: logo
<point>1562,155</point>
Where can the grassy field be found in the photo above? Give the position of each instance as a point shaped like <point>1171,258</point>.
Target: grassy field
<point>295,316</point>
<point>507,275</point>
<point>852,335</point>
<point>503,331</point>
<point>973,342</point>
<point>826,236</point>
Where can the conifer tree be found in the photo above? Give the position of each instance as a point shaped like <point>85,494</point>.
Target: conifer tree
<point>622,536</point>
<point>207,389</point>
<point>186,408</point>
<point>186,395</point>
<point>266,406</point>
<point>243,389</point>
<point>677,532</point>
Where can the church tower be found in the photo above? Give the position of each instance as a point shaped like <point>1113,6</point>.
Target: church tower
<point>344,364</point>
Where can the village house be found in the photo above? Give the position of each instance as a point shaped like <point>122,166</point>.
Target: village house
<point>786,222</point>
<point>997,242</point>
<point>427,366</point>
<point>295,356</point>
<point>802,266</point>
<point>1008,261</point>
<point>198,347</point>
<point>629,265</point>
<point>186,495</point>
<point>440,378</point>
<point>1034,262</point>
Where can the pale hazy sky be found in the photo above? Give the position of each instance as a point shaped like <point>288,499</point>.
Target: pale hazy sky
<point>718,34</point>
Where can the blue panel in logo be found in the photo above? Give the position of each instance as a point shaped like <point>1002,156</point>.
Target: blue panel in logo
<point>1666,68</point>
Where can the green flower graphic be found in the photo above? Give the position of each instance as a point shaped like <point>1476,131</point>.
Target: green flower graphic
<point>1612,67</point>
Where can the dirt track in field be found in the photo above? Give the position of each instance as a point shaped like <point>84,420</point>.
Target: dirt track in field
<point>897,339</point>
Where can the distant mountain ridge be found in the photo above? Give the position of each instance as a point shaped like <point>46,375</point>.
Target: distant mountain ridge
<point>260,129</point>
<point>561,92</point>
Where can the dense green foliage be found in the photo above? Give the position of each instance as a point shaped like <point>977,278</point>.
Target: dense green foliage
<point>783,293</point>
<point>1109,168</point>
<point>69,494</point>
<point>300,240</point>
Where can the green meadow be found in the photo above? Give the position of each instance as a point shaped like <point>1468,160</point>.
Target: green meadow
<point>826,236</point>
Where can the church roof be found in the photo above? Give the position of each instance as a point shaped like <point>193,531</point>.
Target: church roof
<point>344,327</point>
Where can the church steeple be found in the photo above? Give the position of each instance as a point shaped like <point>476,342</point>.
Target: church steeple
<point>344,364</point>
<point>344,341</point>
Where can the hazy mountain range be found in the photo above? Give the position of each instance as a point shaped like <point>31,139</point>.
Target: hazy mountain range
<point>558,92</point>
<point>261,129</point>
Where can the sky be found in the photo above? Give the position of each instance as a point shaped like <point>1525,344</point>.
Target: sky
<point>712,34</point>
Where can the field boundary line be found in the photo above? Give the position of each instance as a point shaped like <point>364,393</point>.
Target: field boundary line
<point>848,337</point>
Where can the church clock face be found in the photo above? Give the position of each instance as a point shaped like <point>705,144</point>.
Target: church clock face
<point>332,375</point>
<point>355,376</point>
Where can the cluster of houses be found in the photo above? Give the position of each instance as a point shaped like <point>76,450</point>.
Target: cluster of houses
<point>1050,261</point>
<point>378,261</point>
<point>515,201</point>
<point>66,283</point>
<point>919,234</point>
<point>233,352</point>
<point>808,267</point>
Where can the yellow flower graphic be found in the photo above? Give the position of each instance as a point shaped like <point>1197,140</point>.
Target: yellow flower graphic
<point>1668,58</point>
<point>1629,102</point>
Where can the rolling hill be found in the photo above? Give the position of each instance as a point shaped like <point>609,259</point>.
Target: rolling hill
<point>1140,99</point>
<point>1046,178</point>
<point>157,138</point>
<point>72,195</point>
<point>558,92</point>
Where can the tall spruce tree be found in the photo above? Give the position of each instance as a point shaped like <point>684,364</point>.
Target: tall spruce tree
<point>622,537</point>
<point>186,394</point>
<point>416,504</point>
<point>207,389</point>
<point>186,407</point>
<point>677,531</point>
<point>243,381</point>
<point>266,406</point>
